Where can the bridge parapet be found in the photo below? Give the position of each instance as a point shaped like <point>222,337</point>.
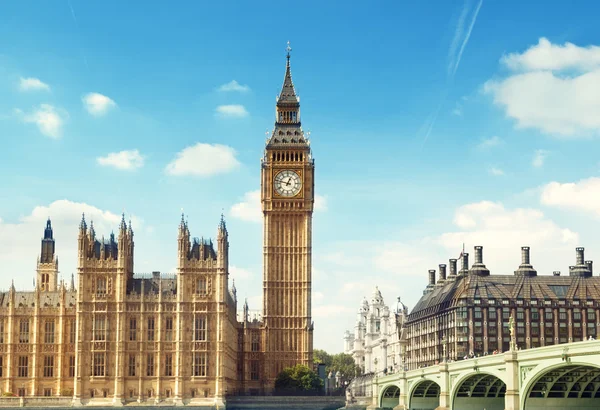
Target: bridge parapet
<point>510,377</point>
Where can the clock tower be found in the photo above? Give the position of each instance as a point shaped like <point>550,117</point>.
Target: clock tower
<point>287,196</point>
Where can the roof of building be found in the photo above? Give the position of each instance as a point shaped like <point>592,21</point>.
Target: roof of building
<point>472,284</point>
<point>47,299</point>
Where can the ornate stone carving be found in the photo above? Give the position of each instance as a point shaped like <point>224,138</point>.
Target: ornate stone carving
<point>525,371</point>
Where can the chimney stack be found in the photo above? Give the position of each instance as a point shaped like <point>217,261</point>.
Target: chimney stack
<point>442,273</point>
<point>525,255</point>
<point>432,277</point>
<point>452,267</point>
<point>479,254</point>
<point>478,267</point>
<point>581,268</point>
<point>580,258</point>
<point>465,264</point>
<point>590,266</point>
<point>556,273</point>
<point>525,269</point>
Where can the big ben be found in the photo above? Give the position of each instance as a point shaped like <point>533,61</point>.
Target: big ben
<point>287,195</point>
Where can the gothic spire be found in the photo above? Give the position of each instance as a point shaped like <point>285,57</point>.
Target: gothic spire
<point>123,224</point>
<point>222,225</point>
<point>48,230</point>
<point>288,93</point>
<point>82,224</point>
<point>72,288</point>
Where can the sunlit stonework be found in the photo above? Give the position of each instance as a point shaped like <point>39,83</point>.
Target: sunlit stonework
<point>119,337</point>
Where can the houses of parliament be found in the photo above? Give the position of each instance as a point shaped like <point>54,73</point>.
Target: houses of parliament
<point>113,336</point>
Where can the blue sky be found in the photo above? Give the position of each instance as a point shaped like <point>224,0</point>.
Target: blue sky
<point>432,124</point>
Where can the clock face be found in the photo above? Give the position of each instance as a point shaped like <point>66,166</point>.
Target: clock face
<point>287,183</point>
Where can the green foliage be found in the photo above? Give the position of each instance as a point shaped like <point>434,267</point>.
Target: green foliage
<point>342,362</point>
<point>8,394</point>
<point>299,379</point>
<point>321,356</point>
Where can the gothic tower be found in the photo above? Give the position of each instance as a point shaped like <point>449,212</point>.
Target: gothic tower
<point>47,264</point>
<point>287,195</point>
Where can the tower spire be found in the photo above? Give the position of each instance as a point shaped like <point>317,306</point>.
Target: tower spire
<point>288,93</point>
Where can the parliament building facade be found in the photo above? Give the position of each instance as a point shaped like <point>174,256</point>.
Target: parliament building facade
<point>114,336</point>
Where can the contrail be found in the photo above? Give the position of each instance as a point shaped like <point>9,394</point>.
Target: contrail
<point>466,40</point>
<point>457,36</point>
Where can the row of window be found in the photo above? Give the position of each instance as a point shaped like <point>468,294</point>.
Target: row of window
<point>49,331</point>
<point>47,369</point>
<point>200,332</point>
<point>199,365</point>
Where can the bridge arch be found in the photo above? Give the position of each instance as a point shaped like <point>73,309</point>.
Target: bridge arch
<point>389,396</point>
<point>564,385</point>
<point>424,394</point>
<point>475,391</point>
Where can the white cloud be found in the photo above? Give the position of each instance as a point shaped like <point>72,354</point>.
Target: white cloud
<point>20,244</point>
<point>97,104</point>
<point>231,111</point>
<point>496,171</point>
<point>203,160</point>
<point>320,203</point>
<point>239,273</point>
<point>541,95</point>
<point>329,311</point>
<point>234,86</point>
<point>491,142</point>
<point>124,160</point>
<point>582,196</point>
<point>32,84</point>
<point>490,224</point>
<point>249,208</point>
<point>399,267</point>
<point>539,158</point>
<point>48,119</point>
<point>552,57</point>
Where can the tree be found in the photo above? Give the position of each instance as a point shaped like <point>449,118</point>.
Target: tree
<point>298,379</point>
<point>322,357</point>
<point>344,363</point>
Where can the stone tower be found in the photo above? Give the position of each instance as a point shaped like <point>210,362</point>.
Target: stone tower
<point>287,196</point>
<point>47,264</point>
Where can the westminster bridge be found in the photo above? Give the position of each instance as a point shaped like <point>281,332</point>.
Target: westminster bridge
<point>564,376</point>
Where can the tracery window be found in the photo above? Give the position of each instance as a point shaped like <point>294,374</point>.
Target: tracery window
<point>23,366</point>
<point>100,328</point>
<point>132,329</point>
<point>24,331</point>
<point>131,365</point>
<point>169,364</point>
<point>201,288</point>
<point>200,328</point>
<point>150,365</point>
<point>98,365</point>
<point>150,329</point>
<point>49,331</point>
<point>48,366</point>
<point>169,329</point>
<point>199,364</point>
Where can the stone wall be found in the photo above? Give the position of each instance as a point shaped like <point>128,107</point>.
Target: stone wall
<point>287,402</point>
